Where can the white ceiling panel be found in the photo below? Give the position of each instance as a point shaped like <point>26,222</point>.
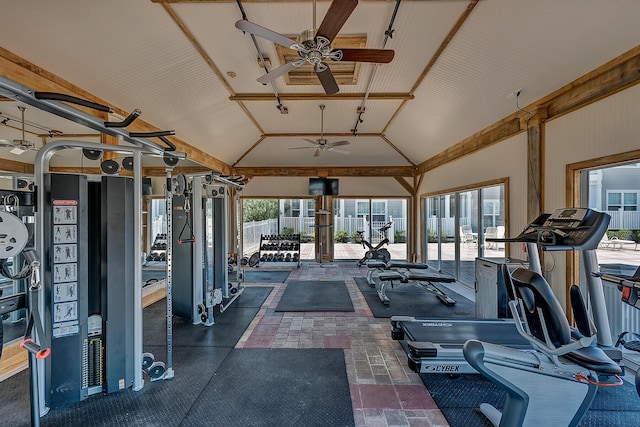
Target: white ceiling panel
<point>505,46</point>
<point>133,54</point>
<point>339,116</point>
<point>365,151</point>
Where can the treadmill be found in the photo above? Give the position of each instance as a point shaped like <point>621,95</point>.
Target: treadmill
<point>435,345</point>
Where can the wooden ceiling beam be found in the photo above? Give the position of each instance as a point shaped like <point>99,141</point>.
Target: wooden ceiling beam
<point>28,74</point>
<point>409,189</point>
<point>486,137</point>
<point>16,166</point>
<point>397,150</point>
<point>254,1</point>
<point>162,171</point>
<point>367,171</point>
<point>391,96</point>
<point>311,134</point>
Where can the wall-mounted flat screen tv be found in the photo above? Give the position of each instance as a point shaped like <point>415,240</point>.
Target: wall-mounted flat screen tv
<point>316,186</point>
<point>331,187</point>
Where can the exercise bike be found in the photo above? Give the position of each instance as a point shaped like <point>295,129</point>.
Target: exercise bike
<point>377,253</point>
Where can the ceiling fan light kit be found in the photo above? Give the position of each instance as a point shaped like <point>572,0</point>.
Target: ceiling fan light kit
<point>314,47</point>
<point>18,146</point>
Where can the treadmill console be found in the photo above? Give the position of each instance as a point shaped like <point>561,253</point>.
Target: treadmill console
<point>566,229</point>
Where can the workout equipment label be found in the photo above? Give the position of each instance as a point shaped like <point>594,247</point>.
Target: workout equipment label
<point>65,268</point>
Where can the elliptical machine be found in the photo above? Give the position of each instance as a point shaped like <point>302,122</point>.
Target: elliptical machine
<point>377,253</point>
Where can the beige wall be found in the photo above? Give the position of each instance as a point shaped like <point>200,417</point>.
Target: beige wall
<point>299,187</point>
<point>610,126</point>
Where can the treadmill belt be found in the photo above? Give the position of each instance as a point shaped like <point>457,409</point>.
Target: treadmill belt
<point>447,331</point>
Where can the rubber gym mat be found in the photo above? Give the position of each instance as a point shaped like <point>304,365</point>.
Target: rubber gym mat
<point>159,403</point>
<point>459,399</point>
<point>262,276</point>
<point>312,295</point>
<point>276,387</point>
<point>410,300</point>
<point>152,274</point>
<point>227,330</point>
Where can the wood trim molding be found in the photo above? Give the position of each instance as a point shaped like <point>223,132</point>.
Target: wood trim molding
<point>572,198</point>
<point>408,187</point>
<point>255,144</point>
<point>16,166</point>
<point>260,97</point>
<point>367,171</point>
<point>491,135</point>
<point>476,186</point>
<point>385,139</point>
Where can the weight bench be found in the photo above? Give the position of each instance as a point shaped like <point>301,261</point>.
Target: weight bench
<point>380,266</point>
<point>419,279</point>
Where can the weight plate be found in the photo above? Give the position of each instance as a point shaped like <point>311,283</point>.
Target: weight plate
<point>254,259</point>
<point>157,370</point>
<point>169,160</point>
<point>217,296</point>
<point>22,183</point>
<point>179,184</point>
<point>127,163</point>
<point>147,360</point>
<point>14,235</point>
<point>110,167</point>
<point>91,154</point>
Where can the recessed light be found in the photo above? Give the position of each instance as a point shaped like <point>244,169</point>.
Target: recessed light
<point>231,74</point>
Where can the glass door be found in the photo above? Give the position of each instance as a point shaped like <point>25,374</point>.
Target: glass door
<point>456,228</point>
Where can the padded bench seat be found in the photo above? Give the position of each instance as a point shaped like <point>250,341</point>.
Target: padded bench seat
<point>396,264</point>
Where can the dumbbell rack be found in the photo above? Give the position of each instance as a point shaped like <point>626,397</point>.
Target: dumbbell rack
<point>280,249</point>
<point>158,248</point>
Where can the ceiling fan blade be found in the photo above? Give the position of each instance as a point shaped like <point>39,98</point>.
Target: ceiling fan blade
<point>263,32</point>
<point>277,72</point>
<point>6,143</point>
<point>300,148</point>
<point>340,150</point>
<point>328,81</point>
<point>339,143</point>
<point>310,141</point>
<point>336,16</point>
<point>380,56</point>
<point>317,153</point>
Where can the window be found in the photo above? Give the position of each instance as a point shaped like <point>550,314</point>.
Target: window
<point>379,210</point>
<point>622,200</point>
<point>491,212</point>
<point>362,207</point>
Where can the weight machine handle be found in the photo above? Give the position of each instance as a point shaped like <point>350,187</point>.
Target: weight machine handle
<point>53,96</point>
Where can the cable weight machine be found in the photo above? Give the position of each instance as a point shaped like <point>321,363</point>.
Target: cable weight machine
<point>197,213</point>
<point>16,244</point>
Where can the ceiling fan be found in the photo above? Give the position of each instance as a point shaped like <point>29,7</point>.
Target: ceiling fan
<point>314,46</point>
<point>321,144</point>
<point>19,145</point>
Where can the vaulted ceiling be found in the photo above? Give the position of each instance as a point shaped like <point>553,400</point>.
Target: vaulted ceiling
<point>188,68</point>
